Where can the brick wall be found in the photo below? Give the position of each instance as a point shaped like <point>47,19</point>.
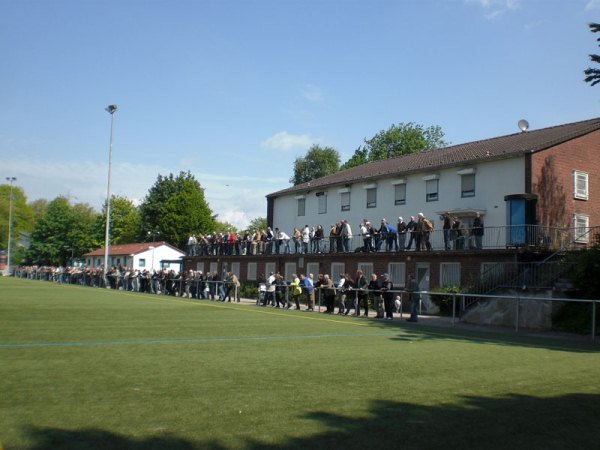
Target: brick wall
<point>552,174</point>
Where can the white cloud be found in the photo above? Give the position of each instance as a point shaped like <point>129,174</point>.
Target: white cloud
<point>284,141</point>
<point>496,8</point>
<point>313,93</point>
<point>592,4</point>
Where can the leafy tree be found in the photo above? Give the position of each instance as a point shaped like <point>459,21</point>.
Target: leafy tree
<point>175,207</point>
<point>22,220</point>
<point>318,162</point>
<point>61,232</point>
<point>225,226</point>
<point>124,222</point>
<point>397,140</point>
<point>592,75</point>
<point>260,223</point>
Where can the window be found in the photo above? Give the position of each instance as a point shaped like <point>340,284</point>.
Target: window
<point>290,269</point>
<point>580,185</point>
<point>367,270</point>
<point>322,196</point>
<point>200,267</point>
<point>581,225</point>
<point>399,196</point>
<point>313,268</point>
<point>251,269</point>
<point>269,267</point>
<point>449,274</point>
<point>467,185</point>
<point>301,206</point>
<point>235,268</point>
<point>345,197</point>
<point>336,270</point>
<point>142,262</point>
<point>213,267</point>
<point>397,272</point>
<point>432,190</point>
<point>371,197</point>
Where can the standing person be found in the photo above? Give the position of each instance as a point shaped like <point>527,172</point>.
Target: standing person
<point>332,238</point>
<point>347,233</point>
<point>366,237</point>
<point>375,288</point>
<point>401,229</point>
<point>478,231</point>
<point>284,239</point>
<point>328,293</point>
<point>341,290</point>
<point>295,291</point>
<point>305,239</point>
<point>388,296</point>
<point>363,296</point>
<point>318,238</point>
<point>424,229</point>
<point>412,288</point>
<point>270,297</point>
<point>309,291</point>
<point>447,227</point>
<point>411,229</point>
<point>297,237</point>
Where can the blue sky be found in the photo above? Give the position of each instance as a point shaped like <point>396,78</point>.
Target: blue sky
<point>234,91</point>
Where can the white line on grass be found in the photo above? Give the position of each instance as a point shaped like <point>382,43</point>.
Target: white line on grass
<point>187,341</point>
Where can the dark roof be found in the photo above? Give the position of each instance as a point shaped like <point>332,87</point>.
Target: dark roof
<point>129,249</point>
<point>501,147</point>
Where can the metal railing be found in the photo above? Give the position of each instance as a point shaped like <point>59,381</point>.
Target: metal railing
<point>501,237</point>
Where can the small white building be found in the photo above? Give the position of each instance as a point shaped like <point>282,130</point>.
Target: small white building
<point>143,256</point>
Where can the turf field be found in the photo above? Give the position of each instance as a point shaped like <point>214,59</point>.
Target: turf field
<point>84,368</point>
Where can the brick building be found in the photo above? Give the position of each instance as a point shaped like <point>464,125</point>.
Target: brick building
<point>531,188</point>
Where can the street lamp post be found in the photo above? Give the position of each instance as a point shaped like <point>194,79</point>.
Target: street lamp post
<point>11,180</point>
<point>111,109</point>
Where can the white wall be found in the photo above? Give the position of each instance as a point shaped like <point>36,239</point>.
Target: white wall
<point>493,181</point>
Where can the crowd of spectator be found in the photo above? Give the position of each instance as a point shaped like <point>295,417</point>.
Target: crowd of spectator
<point>339,238</point>
<point>350,293</point>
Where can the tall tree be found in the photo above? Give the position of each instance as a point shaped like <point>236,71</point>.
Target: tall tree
<point>61,232</point>
<point>397,140</point>
<point>592,75</point>
<point>259,223</point>
<point>318,162</point>
<point>175,208</point>
<point>22,220</point>
<point>124,222</point>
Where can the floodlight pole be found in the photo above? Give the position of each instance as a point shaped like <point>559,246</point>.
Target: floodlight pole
<point>11,180</point>
<point>111,109</point>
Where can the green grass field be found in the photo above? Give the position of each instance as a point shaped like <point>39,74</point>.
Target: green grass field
<point>84,368</point>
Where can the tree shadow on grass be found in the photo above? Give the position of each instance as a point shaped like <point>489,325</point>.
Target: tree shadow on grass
<point>511,422</point>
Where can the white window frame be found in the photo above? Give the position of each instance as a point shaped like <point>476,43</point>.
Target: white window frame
<point>397,273</point>
<point>290,269</point>
<point>269,267</point>
<point>301,207</point>
<point>213,266</point>
<point>580,185</point>
<point>372,197</point>
<point>337,268</point>
<point>251,271</point>
<point>367,269</point>
<point>142,262</point>
<point>235,269</point>
<point>312,267</point>
<point>322,198</point>
<point>345,201</point>
<point>200,266</point>
<point>450,274</point>
<point>581,226</point>
<point>399,195</point>
<point>432,189</point>
<point>465,192</point>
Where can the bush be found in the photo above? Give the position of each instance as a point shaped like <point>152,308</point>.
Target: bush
<point>444,302</point>
<point>249,290</point>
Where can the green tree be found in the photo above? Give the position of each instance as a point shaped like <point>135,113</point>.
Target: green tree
<point>397,140</point>
<point>22,221</point>
<point>318,162</point>
<point>592,75</point>
<point>61,232</point>
<point>259,223</point>
<point>175,208</point>
<point>124,222</point>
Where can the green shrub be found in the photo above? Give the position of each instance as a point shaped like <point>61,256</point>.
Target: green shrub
<point>249,290</point>
<point>444,302</point>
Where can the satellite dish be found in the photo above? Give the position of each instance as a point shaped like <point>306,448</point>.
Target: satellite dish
<point>523,125</point>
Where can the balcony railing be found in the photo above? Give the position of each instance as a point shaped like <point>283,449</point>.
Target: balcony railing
<point>533,237</point>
